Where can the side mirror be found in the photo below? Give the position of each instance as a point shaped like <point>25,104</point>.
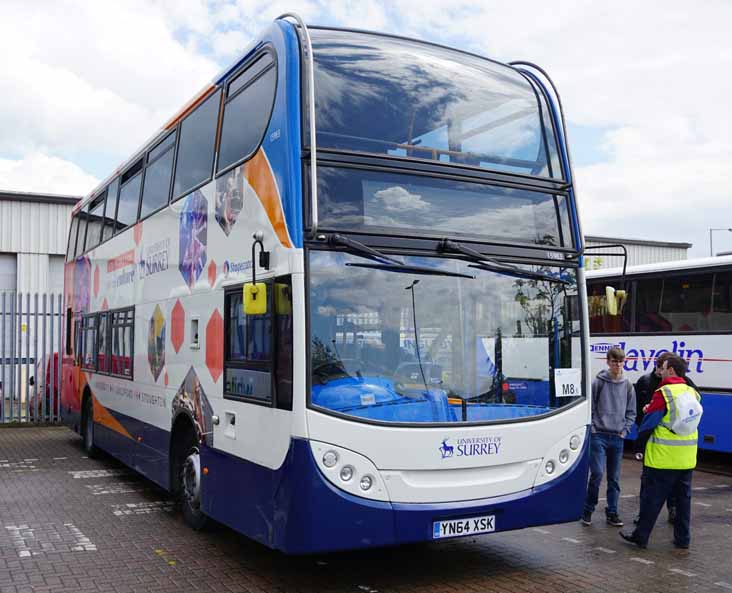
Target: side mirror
<point>255,298</point>
<point>283,299</point>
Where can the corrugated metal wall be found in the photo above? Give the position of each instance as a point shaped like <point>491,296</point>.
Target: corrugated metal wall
<point>36,233</point>
<point>33,227</point>
<point>637,254</point>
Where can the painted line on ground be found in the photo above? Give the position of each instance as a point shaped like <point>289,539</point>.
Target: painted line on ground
<point>686,573</point>
<point>572,540</point>
<point>605,550</point>
<point>641,560</point>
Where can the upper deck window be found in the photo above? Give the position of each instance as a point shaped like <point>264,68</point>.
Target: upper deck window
<point>376,94</point>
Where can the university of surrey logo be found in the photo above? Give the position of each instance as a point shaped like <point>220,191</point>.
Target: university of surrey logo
<point>471,446</point>
<point>445,449</point>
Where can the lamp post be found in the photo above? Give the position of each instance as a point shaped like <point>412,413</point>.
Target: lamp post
<point>711,250</point>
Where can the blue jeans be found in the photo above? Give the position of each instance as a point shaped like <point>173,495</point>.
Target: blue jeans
<point>659,485</point>
<point>605,449</point>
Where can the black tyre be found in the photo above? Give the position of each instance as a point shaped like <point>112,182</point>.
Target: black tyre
<point>188,486</point>
<point>88,435</point>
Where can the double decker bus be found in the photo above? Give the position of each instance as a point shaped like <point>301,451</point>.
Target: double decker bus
<point>338,301</point>
<point>684,307</point>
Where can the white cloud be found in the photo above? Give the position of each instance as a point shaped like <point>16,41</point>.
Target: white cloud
<point>398,199</point>
<point>41,173</point>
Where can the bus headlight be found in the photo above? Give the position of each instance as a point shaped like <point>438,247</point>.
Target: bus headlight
<point>366,482</point>
<point>330,459</point>
<point>349,471</point>
<point>561,457</point>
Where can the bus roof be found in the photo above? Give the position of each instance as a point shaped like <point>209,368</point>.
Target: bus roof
<point>677,265</point>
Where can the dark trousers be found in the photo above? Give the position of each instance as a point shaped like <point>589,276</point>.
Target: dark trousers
<point>670,502</point>
<point>605,449</point>
<point>659,485</point>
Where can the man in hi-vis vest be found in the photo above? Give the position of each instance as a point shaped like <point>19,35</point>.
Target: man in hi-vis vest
<point>670,428</point>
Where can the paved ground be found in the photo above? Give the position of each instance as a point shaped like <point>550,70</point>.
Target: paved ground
<point>68,523</point>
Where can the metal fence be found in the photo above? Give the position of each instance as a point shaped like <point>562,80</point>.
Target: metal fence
<point>30,365</point>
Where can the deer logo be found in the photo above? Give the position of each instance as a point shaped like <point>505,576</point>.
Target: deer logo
<point>446,450</point>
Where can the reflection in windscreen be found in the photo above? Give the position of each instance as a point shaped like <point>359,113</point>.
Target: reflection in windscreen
<point>353,199</point>
<point>398,97</point>
<point>396,347</point>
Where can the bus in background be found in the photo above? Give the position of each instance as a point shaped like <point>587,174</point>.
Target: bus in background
<point>683,307</point>
<point>338,301</point>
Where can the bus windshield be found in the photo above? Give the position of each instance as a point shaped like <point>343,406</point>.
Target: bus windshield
<point>384,95</point>
<point>392,346</point>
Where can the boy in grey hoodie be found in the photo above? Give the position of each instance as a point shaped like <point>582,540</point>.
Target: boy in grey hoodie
<point>613,414</point>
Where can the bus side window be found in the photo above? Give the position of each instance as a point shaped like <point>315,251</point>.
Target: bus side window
<point>247,350</point>
<point>71,248</point>
<point>110,211</point>
<point>195,155</point>
<point>720,318</point>
<point>249,103</point>
<point>283,341</point>
<point>608,307</point>
<point>69,321</point>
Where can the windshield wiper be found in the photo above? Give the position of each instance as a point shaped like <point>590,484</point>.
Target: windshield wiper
<point>516,272</point>
<point>360,249</point>
<point>483,262</point>
<point>425,271</point>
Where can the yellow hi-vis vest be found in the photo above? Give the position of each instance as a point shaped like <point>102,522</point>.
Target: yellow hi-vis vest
<point>665,448</point>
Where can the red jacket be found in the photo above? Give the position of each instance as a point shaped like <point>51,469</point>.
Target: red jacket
<point>658,403</point>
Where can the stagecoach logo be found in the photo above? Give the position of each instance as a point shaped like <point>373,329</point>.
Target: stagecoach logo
<point>235,267</point>
<point>602,347</point>
<point>470,447</point>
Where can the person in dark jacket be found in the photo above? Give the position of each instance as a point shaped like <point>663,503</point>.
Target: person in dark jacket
<point>613,414</point>
<point>644,389</point>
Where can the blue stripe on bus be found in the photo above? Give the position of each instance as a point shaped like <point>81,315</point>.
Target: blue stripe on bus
<point>296,510</point>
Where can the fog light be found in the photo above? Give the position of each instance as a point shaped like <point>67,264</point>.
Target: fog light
<point>564,456</point>
<point>366,482</point>
<point>346,473</point>
<point>330,458</point>
<point>574,442</point>
<point>549,467</point>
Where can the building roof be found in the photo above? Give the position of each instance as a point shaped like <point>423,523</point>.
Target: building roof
<point>22,196</point>
<point>596,239</point>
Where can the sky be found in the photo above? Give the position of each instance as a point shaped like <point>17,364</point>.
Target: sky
<point>645,87</point>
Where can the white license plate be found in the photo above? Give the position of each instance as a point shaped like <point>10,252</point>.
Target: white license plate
<point>458,527</point>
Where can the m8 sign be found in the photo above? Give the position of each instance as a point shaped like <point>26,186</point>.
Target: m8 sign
<point>568,382</point>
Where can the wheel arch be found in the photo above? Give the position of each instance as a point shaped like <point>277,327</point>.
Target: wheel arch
<point>182,424</point>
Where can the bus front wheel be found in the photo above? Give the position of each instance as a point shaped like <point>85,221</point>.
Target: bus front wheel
<point>188,485</point>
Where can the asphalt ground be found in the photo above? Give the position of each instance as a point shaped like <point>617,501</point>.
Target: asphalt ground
<point>69,523</point>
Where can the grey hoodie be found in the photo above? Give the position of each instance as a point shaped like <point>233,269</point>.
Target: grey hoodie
<point>613,404</point>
